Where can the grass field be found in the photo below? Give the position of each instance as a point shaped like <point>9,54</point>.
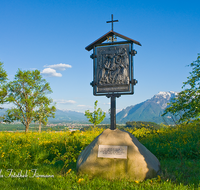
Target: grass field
<point>47,160</point>
<point>17,127</point>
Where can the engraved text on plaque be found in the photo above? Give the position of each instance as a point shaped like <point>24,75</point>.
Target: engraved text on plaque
<point>110,151</point>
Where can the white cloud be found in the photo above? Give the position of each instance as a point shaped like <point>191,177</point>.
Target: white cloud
<point>59,67</point>
<point>51,73</point>
<point>65,101</point>
<point>106,103</point>
<point>82,106</point>
<point>85,107</point>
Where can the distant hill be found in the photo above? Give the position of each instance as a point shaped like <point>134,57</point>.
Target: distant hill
<point>149,110</point>
<point>62,116</point>
<point>72,117</point>
<point>68,116</point>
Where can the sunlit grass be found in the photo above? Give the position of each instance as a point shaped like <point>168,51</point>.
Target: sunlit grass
<point>55,153</point>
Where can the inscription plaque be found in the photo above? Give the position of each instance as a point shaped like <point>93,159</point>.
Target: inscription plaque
<point>111,151</point>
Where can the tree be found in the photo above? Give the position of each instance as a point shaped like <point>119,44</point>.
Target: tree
<point>28,93</point>
<point>3,79</point>
<point>97,116</point>
<point>186,105</point>
<point>44,112</point>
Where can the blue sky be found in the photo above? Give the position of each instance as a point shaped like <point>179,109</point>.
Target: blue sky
<point>51,36</point>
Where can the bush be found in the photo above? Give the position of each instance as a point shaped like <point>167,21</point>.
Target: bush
<point>140,124</point>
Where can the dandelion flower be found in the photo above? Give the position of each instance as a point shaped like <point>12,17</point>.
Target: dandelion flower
<point>81,179</point>
<point>69,171</point>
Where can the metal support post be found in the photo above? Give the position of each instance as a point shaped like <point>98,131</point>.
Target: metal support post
<point>113,109</point>
<point>113,113</point>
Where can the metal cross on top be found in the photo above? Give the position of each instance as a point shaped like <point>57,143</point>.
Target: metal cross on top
<point>112,21</point>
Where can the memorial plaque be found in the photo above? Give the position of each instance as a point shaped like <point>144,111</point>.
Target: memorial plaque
<point>112,69</point>
<point>110,151</point>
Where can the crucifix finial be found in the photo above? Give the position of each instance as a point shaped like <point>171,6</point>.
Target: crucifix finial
<point>112,21</point>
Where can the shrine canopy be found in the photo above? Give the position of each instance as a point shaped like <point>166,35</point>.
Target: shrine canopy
<point>107,36</point>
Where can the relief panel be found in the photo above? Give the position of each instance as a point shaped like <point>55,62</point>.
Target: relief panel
<point>113,69</point>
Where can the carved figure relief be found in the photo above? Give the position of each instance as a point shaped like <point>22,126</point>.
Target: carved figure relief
<point>113,65</point>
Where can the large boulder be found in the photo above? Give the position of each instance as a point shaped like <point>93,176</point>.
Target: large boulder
<point>139,163</point>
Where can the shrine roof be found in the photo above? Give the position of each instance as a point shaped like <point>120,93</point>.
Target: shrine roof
<point>104,37</point>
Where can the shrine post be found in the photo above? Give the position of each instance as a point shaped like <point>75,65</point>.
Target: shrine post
<point>115,154</point>
<point>113,67</point>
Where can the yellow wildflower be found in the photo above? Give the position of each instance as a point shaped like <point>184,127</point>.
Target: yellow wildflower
<point>69,171</point>
<point>159,178</point>
<point>81,179</point>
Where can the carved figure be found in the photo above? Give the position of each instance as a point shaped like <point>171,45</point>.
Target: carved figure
<point>113,67</point>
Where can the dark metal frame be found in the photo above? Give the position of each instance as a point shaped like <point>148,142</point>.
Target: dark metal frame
<point>132,80</point>
<point>113,95</point>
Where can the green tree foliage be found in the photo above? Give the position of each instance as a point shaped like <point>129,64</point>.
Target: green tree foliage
<point>28,93</point>
<point>186,105</point>
<point>44,112</point>
<point>140,124</point>
<point>3,79</point>
<point>97,116</point>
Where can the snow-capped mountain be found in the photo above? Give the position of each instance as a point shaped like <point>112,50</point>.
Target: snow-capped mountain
<point>149,110</point>
<point>162,98</point>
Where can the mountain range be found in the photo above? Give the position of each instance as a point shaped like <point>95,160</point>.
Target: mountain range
<point>68,116</point>
<point>149,110</point>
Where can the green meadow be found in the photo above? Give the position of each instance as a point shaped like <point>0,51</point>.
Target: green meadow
<point>47,160</point>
